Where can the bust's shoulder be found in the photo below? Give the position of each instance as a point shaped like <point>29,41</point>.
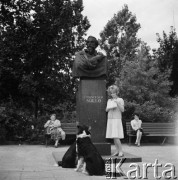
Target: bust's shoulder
<point>80,53</point>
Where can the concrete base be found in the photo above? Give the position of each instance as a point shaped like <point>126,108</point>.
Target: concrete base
<point>103,148</point>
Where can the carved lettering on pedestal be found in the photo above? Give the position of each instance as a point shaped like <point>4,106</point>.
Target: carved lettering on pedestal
<point>93,99</point>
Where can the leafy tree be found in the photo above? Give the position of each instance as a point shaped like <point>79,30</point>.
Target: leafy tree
<point>167,55</point>
<point>145,88</point>
<point>119,40</point>
<point>143,84</point>
<point>37,42</point>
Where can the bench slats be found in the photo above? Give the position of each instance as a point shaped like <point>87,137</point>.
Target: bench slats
<point>155,129</point>
<point>69,128</point>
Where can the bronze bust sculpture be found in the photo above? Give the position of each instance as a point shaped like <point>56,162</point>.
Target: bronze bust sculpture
<point>89,63</point>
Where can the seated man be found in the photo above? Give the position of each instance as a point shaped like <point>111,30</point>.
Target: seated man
<point>53,127</point>
<point>89,63</point>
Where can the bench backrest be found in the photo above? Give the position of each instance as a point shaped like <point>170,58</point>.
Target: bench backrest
<point>69,128</point>
<point>155,128</point>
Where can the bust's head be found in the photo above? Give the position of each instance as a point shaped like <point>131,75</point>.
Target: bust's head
<point>92,44</point>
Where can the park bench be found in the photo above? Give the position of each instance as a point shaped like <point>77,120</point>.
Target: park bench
<point>68,128</point>
<point>154,129</point>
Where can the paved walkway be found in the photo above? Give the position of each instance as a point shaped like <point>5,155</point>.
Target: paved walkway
<point>35,162</point>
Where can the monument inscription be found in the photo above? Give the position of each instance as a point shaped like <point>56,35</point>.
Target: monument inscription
<point>93,99</point>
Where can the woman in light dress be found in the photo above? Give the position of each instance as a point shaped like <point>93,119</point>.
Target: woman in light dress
<point>53,127</point>
<point>137,130</point>
<point>114,129</point>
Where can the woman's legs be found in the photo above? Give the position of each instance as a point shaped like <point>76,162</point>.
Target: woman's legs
<point>139,136</point>
<point>56,142</point>
<point>56,136</point>
<point>118,146</point>
<point>63,135</point>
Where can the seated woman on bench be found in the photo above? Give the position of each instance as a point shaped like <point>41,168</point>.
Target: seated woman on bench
<point>53,127</point>
<point>136,124</point>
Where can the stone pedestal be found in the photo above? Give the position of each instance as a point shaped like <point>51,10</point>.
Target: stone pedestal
<point>91,105</point>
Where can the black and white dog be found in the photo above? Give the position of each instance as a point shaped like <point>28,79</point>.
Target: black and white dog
<point>85,153</point>
<point>88,156</point>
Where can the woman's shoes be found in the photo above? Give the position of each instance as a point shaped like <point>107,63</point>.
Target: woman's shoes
<point>121,154</point>
<point>138,144</point>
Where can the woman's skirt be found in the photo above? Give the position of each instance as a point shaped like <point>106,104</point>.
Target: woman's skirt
<point>134,132</point>
<point>114,129</point>
<point>57,133</point>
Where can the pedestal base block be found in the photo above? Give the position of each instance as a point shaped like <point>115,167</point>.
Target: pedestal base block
<point>103,148</point>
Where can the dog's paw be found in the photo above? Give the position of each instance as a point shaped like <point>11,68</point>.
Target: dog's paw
<point>76,169</point>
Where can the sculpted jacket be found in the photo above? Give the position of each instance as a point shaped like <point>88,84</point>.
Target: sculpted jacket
<point>86,65</point>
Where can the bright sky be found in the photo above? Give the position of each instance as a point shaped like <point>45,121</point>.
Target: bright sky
<point>154,16</point>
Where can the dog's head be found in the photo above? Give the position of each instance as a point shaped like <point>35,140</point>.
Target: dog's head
<point>82,129</point>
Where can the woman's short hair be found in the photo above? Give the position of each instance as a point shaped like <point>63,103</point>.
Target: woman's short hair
<point>113,89</point>
<point>135,114</point>
<point>53,115</point>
